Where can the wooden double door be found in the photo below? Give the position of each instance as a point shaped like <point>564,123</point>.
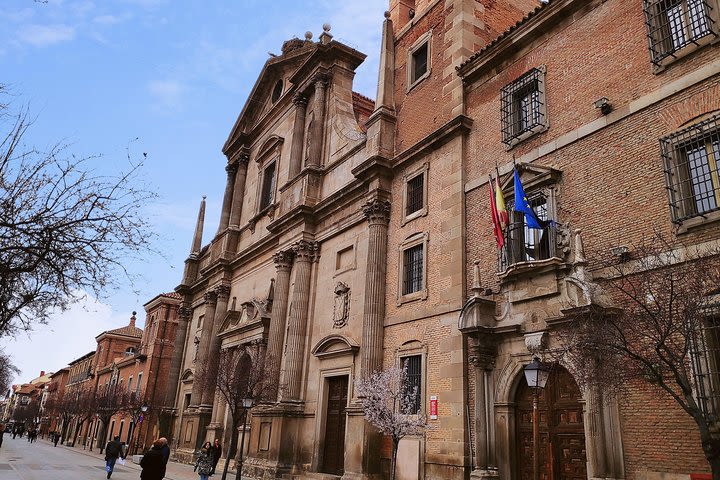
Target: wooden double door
<point>562,432</point>
<point>335,420</point>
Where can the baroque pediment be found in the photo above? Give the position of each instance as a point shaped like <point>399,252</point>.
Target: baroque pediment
<point>249,312</point>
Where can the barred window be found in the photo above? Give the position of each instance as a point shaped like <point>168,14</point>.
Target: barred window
<point>675,24</point>
<point>415,194</point>
<point>412,389</point>
<point>523,107</point>
<point>705,356</point>
<point>413,269</point>
<point>523,244</point>
<point>268,186</point>
<point>691,169</point>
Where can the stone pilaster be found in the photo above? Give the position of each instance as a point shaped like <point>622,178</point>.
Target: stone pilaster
<point>213,355</point>
<point>306,253</point>
<point>184,314</point>
<point>298,138</point>
<point>276,335</point>
<point>231,169</point>
<point>239,189</point>
<point>483,351</point>
<point>316,136</point>
<point>205,339</point>
<point>377,213</point>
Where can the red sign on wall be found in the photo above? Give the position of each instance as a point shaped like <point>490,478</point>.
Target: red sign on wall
<point>433,407</point>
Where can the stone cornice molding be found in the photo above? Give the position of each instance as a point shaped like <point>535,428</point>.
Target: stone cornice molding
<point>306,251</point>
<point>377,211</point>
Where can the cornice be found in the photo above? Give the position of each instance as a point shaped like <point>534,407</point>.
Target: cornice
<point>458,125</point>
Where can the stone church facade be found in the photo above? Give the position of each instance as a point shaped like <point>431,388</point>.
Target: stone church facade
<point>355,235</point>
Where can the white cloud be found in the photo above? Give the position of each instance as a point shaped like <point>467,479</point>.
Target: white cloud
<point>67,336</point>
<point>18,16</point>
<point>110,19</point>
<point>44,35</point>
<point>167,93</point>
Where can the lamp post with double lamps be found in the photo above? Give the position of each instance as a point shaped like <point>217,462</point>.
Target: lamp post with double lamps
<point>536,374</point>
<point>247,404</point>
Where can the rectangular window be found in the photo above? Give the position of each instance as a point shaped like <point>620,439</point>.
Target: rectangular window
<point>412,389</point>
<point>524,244</point>
<point>130,432</point>
<point>130,379</point>
<point>139,383</point>
<point>705,356</point>
<point>415,194</point>
<point>268,186</point>
<point>419,62</point>
<point>675,24</point>
<point>691,159</point>
<point>122,424</point>
<point>523,107</point>
<point>188,396</point>
<point>413,269</point>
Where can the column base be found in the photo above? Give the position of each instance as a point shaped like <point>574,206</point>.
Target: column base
<point>362,447</point>
<point>485,474</point>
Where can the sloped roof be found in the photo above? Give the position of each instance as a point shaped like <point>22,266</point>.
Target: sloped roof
<point>128,331</point>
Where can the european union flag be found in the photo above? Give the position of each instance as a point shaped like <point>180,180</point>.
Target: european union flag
<point>523,205</point>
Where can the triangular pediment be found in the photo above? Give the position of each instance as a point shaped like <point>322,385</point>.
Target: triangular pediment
<point>260,101</point>
<point>531,176</point>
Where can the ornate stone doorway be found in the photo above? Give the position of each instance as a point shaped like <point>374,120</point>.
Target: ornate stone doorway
<point>334,449</point>
<point>562,432</point>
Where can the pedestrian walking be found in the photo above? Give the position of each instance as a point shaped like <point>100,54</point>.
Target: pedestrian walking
<point>152,463</point>
<point>57,437</point>
<point>112,452</point>
<point>216,453</point>
<point>15,431</point>
<point>203,466</point>
<point>2,432</point>
<point>165,453</point>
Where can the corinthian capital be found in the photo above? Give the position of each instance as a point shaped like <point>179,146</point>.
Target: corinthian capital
<point>222,292</point>
<point>283,259</point>
<point>231,168</point>
<point>210,296</point>
<point>377,211</point>
<point>299,100</point>
<point>306,251</point>
<point>185,312</point>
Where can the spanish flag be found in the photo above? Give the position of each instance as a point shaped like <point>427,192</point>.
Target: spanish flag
<point>497,228</point>
<point>500,206</point>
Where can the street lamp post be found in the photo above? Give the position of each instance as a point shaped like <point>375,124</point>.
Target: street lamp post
<point>536,374</point>
<point>247,403</point>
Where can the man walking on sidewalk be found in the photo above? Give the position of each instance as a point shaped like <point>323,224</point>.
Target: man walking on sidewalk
<point>112,452</point>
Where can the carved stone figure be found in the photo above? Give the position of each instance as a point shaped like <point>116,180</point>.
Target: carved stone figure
<point>341,308</point>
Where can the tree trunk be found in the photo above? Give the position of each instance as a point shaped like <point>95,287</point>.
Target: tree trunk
<point>231,451</point>
<point>393,459</point>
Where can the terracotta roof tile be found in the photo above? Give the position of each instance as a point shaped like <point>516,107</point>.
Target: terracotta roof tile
<point>127,330</point>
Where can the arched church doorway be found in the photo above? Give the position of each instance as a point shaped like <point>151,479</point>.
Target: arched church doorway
<point>562,433</point>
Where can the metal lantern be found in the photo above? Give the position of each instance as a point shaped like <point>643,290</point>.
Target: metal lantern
<point>536,373</point>
<point>247,402</point>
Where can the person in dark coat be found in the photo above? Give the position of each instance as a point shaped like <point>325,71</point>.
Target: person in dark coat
<point>2,432</point>
<point>165,453</point>
<point>216,454</point>
<point>112,452</point>
<point>152,463</point>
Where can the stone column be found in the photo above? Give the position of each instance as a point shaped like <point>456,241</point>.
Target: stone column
<point>306,253</point>
<point>377,213</point>
<point>483,351</point>
<point>316,136</point>
<point>276,335</point>
<point>298,135</point>
<point>213,355</point>
<point>205,339</point>
<point>184,314</point>
<point>231,169</point>
<point>239,189</point>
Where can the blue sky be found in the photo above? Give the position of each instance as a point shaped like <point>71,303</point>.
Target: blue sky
<point>172,73</point>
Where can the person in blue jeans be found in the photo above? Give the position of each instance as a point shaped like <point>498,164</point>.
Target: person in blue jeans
<point>112,452</point>
<point>204,464</point>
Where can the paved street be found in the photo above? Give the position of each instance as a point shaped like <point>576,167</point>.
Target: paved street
<point>20,460</point>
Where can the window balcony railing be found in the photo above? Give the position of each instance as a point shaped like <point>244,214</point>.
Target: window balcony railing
<point>524,245</point>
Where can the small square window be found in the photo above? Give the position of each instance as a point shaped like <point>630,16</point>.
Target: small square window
<point>674,25</point>
<point>691,169</point>
<point>523,107</point>
<point>413,270</point>
<point>268,186</point>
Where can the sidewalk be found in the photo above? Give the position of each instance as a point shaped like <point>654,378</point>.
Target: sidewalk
<point>175,470</point>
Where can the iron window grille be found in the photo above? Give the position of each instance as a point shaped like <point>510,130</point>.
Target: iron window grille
<point>522,106</point>
<point>415,191</point>
<point>675,24</point>
<point>705,363</point>
<point>412,269</point>
<point>691,159</point>
<point>523,244</point>
<point>268,186</point>
<point>412,394</point>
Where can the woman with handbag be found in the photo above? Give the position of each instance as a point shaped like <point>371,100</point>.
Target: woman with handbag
<point>204,464</point>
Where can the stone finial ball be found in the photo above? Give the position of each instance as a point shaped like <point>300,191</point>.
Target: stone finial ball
<point>387,13</point>
<point>308,35</point>
<point>326,27</point>
<point>134,313</point>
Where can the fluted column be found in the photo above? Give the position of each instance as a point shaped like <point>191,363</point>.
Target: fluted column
<point>211,365</point>
<point>205,338</point>
<point>184,314</point>
<point>276,335</point>
<point>298,138</point>
<point>305,254</point>
<point>377,213</point>
<point>316,136</point>
<point>231,169</point>
<point>239,189</point>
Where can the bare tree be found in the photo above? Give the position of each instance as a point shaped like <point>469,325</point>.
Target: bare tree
<point>109,402</point>
<point>140,411</point>
<point>85,406</point>
<point>241,375</point>
<point>64,230</point>
<point>664,332</point>
<point>8,371</point>
<point>388,402</point>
